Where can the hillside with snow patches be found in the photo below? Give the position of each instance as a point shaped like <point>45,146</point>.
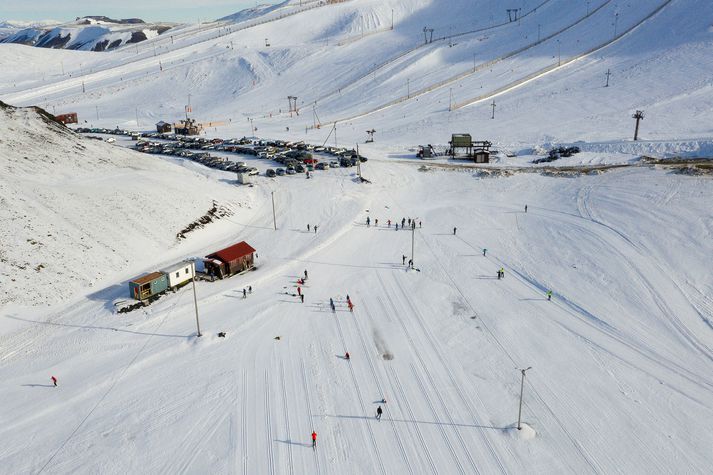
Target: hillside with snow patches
<point>621,352</point>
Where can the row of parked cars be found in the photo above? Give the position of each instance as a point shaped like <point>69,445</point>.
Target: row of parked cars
<point>296,157</point>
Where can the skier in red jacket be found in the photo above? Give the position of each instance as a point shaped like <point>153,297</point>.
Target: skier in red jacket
<point>314,439</point>
<point>54,380</point>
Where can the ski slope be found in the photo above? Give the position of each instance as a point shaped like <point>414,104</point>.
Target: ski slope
<point>621,356</point>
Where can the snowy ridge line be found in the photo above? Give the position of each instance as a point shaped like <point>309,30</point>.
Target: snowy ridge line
<point>593,464</point>
<point>150,57</point>
<point>355,382</point>
<point>416,48</point>
<point>379,388</point>
<point>436,388</point>
<point>361,36</point>
<point>309,409</point>
<point>666,311</point>
<point>286,413</point>
<point>268,425</point>
<point>403,400</point>
<point>109,390</point>
<point>548,69</point>
<point>444,82</point>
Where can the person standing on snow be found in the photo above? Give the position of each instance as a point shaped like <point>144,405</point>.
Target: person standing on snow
<point>549,295</point>
<point>403,260</point>
<point>346,356</point>
<point>315,229</point>
<point>368,221</point>
<point>389,223</point>
<point>302,298</point>
<point>299,290</point>
<point>305,274</point>
<point>314,440</point>
<point>454,231</point>
<point>484,251</point>
<point>397,226</point>
<point>403,222</point>
<point>376,222</point>
<point>525,208</point>
<point>245,293</point>
<point>379,411</point>
<point>250,289</point>
<point>54,381</point>
<point>308,228</point>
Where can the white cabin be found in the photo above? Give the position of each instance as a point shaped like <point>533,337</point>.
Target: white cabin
<point>178,273</point>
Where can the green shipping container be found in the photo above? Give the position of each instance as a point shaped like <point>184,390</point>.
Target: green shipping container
<point>147,286</point>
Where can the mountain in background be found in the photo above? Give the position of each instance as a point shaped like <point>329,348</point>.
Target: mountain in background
<point>90,33</point>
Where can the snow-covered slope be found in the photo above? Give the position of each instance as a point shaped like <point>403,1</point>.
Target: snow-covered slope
<point>75,210</point>
<point>621,356</point>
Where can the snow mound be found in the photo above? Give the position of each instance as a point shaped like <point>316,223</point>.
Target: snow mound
<point>526,432</point>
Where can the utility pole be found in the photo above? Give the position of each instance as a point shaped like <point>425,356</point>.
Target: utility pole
<point>450,99</point>
<point>252,129</point>
<point>408,88</point>
<point>195,299</point>
<point>608,74</point>
<point>639,116</point>
<point>274,219</point>
<point>83,89</point>
<point>137,117</point>
<point>358,163</point>
<point>335,135</point>
<point>559,53</point>
<point>538,32</point>
<point>616,22</point>
<point>522,386</point>
<point>492,116</point>
<point>413,234</point>
<point>392,18</point>
<point>473,62</point>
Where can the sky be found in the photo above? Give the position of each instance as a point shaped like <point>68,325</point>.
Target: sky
<point>148,10</point>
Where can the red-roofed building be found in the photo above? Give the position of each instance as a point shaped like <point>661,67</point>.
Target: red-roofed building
<point>231,260</point>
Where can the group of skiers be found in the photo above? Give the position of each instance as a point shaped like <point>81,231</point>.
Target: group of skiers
<point>411,223</point>
<point>312,228</point>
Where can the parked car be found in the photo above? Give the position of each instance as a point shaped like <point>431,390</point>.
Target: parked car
<point>280,171</point>
<point>270,173</point>
<point>299,168</point>
<point>253,171</point>
<point>322,166</point>
<point>290,171</point>
<point>334,164</point>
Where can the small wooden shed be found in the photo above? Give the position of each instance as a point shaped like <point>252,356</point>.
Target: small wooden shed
<point>148,285</point>
<point>178,274</point>
<point>163,127</point>
<point>231,260</point>
<point>69,118</point>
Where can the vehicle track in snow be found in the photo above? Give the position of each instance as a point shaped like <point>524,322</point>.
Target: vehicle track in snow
<point>308,405</point>
<point>432,382</point>
<point>379,462</point>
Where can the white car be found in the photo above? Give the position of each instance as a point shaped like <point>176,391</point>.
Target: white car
<point>253,171</point>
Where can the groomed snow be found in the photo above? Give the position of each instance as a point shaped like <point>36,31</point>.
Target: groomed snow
<point>621,356</point>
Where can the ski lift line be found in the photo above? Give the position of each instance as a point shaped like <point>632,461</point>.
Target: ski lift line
<point>471,71</point>
<point>418,47</point>
<point>554,67</point>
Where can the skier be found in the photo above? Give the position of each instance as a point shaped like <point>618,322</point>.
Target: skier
<point>314,440</point>
<point>378,413</point>
<point>410,263</point>
<point>420,224</point>
<point>403,260</point>
<point>403,222</point>
<point>484,251</point>
<point>409,221</point>
<point>376,222</point>
<point>245,294</point>
<point>525,208</point>
<point>351,306</point>
<point>302,298</point>
<point>502,273</point>
<point>331,304</point>
<point>389,223</point>
<point>413,224</point>
<point>54,380</point>
<point>397,226</point>
<point>346,355</point>
<point>348,300</point>
<point>549,295</point>
<point>454,231</point>
<point>308,229</point>
<point>299,290</point>
<point>315,229</point>
<point>368,221</point>
<point>305,274</point>
<point>499,274</point>
<point>250,289</point>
